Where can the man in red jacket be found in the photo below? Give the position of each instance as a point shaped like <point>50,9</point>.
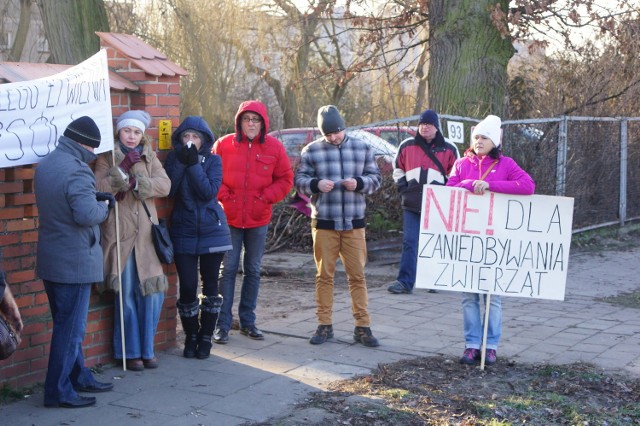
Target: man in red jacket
<point>256,174</point>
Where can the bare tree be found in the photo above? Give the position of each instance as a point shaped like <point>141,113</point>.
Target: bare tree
<point>70,26</point>
<point>21,33</point>
<point>469,42</point>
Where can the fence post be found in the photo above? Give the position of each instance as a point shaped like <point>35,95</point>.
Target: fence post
<point>561,160</point>
<point>623,170</point>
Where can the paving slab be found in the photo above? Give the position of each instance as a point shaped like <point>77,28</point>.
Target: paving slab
<point>252,381</point>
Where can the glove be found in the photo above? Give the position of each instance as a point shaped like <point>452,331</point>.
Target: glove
<point>192,156</point>
<point>132,184</point>
<point>129,160</point>
<point>106,196</point>
<point>188,155</point>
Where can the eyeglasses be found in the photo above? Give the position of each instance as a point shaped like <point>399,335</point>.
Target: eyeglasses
<point>255,120</point>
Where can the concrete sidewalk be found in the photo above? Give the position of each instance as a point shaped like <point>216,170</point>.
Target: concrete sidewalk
<point>247,381</point>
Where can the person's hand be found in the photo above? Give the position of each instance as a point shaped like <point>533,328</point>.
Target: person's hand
<point>9,309</point>
<point>350,184</point>
<point>192,156</point>
<point>188,155</point>
<point>325,185</point>
<point>132,184</point>
<point>129,160</point>
<point>479,186</point>
<point>181,154</point>
<point>107,197</point>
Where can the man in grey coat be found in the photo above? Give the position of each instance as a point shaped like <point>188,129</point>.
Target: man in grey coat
<point>69,257</point>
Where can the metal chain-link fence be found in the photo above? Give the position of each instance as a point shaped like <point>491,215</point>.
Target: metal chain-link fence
<point>595,160</point>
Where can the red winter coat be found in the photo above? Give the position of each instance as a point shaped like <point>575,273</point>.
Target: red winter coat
<point>255,175</point>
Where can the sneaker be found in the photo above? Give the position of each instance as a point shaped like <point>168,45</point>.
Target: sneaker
<point>470,356</point>
<point>397,287</point>
<point>321,335</point>
<point>490,357</point>
<point>252,332</point>
<point>363,335</point>
<point>220,336</point>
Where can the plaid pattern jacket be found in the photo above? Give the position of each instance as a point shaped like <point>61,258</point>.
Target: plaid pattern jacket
<point>339,209</point>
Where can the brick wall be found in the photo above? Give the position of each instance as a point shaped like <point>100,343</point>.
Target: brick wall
<point>158,95</point>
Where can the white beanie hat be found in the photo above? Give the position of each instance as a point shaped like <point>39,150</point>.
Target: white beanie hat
<point>490,128</point>
<point>134,118</point>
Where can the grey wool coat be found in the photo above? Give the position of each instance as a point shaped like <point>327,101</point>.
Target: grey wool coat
<point>69,249</point>
<point>135,227</point>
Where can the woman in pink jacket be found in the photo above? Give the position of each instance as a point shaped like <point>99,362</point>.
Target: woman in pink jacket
<point>484,168</point>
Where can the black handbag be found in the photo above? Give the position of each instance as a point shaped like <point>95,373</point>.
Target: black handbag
<point>8,339</point>
<point>160,237</point>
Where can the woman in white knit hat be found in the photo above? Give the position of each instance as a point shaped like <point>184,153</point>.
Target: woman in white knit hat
<point>137,177</point>
<point>484,168</point>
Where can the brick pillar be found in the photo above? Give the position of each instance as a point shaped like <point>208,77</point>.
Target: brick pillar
<point>158,95</point>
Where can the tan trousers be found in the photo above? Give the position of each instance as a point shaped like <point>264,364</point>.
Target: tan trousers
<point>351,246</point>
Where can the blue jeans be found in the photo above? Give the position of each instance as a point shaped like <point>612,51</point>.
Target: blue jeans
<point>69,304</point>
<point>474,321</point>
<point>141,316</point>
<point>409,258</point>
<point>252,240</point>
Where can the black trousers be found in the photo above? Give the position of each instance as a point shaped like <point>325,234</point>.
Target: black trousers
<point>187,267</point>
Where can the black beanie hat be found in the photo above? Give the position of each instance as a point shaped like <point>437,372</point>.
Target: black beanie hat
<point>330,120</point>
<point>84,131</point>
<point>430,117</point>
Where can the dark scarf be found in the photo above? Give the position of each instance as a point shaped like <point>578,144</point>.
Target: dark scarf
<point>126,150</point>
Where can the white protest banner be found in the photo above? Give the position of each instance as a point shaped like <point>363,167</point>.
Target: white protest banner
<point>510,245</point>
<point>34,113</point>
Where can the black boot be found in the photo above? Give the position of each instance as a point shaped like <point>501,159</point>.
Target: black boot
<point>189,318</point>
<point>210,308</point>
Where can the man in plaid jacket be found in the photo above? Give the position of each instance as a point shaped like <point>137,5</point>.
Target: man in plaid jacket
<point>337,172</point>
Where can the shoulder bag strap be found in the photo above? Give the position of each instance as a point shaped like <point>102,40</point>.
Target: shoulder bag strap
<point>434,160</point>
<point>484,175</point>
<point>146,209</point>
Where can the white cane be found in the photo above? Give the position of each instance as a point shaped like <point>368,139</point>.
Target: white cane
<point>122,333</point>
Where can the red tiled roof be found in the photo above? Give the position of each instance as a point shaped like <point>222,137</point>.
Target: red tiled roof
<point>22,71</point>
<point>140,53</point>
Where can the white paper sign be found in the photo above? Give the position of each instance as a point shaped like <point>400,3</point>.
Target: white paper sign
<point>34,113</point>
<point>455,131</point>
<point>510,245</point>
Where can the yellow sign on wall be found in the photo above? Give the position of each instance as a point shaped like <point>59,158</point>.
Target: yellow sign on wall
<point>164,134</point>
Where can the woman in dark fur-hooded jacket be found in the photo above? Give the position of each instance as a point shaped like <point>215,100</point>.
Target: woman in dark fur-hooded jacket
<point>199,230</point>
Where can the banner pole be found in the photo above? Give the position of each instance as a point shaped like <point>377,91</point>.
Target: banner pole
<point>483,349</point>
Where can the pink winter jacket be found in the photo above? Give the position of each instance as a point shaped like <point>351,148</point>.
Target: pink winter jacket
<point>505,177</point>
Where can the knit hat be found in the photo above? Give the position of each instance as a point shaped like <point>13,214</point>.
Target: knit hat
<point>134,118</point>
<point>197,132</point>
<point>84,131</point>
<point>430,117</point>
<point>490,128</point>
<point>330,120</point>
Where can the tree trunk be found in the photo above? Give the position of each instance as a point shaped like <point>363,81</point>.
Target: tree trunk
<point>21,33</point>
<point>468,63</point>
<point>422,79</point>
<point>70,26</point>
